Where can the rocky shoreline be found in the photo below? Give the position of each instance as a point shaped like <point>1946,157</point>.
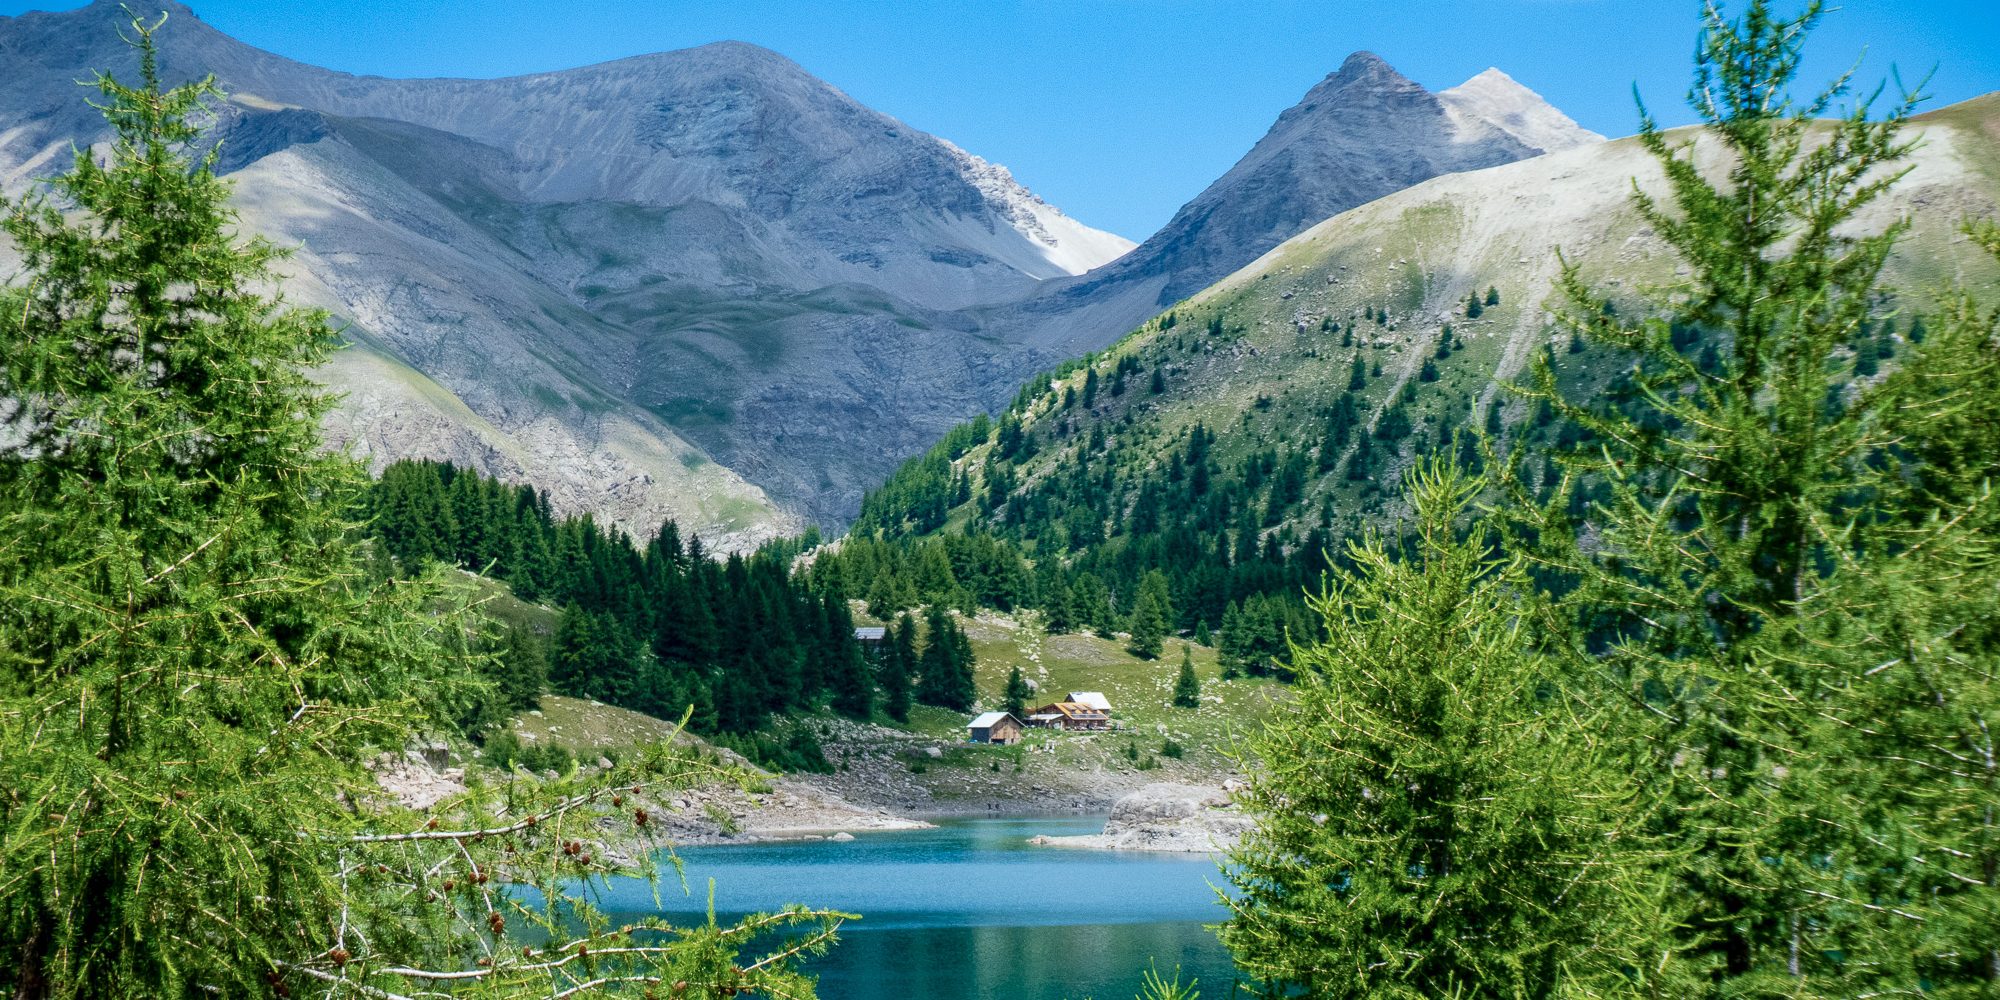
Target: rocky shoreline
<point>1158,816</point>
<point>1166,817</point>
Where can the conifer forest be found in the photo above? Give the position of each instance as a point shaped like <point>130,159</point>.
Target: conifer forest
<point>1603,619</point>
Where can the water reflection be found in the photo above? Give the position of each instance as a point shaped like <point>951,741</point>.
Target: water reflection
<point>971,910</point>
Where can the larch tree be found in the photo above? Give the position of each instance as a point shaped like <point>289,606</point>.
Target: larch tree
<point>944,667</point>
<point>1152,616</point>
<point>1418,828</point>
<point>898,667</point>
<point>1786,572</point>
<point>194,667</point>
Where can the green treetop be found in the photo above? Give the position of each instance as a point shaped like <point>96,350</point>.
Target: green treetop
<point>1152,616</point>
<point>1014,700</point>
<point>1418,829</point>
<point>1795,607</point>
<point>945,665</point>
<point>898,668</point>
<point>1187,687</point>
<point>194,665</point>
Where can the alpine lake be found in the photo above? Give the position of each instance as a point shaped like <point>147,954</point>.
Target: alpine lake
<point>969,910</point>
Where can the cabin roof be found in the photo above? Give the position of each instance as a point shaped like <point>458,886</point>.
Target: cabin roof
<point>990,719</point>
<point>1093,699</point>
<point>1070,709</point>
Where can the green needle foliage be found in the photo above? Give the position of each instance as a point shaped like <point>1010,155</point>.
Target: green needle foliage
<point>1791,577</point>
<point>1421,831</point>
<point>1152,614</point>
<point>945,666</point>
<point>194,665</point>
<point>1187,687</point>
<point>1014,698</point>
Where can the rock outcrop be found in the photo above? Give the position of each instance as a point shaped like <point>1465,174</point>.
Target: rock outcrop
<point>1166,817</point>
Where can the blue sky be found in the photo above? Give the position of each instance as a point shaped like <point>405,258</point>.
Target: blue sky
<point>1117,110</point>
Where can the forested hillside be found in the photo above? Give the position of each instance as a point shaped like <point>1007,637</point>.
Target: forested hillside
<point>200,668</point>
<point>659,628</point>
<point>1236,441</point>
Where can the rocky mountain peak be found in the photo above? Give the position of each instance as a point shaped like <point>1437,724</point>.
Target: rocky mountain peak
<point>1362,132</point>
<point>633,283</point>
<point>1364,70</point>
<point>1497,99</point>
<point>1363,82</point>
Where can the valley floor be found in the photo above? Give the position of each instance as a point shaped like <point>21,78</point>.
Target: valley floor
<point>889,777</point>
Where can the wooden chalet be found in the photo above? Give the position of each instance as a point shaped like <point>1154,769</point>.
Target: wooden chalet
<point>1091,699</point>
<point>1069,715</point>
<point>994,727</point>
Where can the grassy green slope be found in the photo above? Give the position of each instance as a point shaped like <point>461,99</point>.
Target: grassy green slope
<point>1140,692</point>
<point>1260,357</point>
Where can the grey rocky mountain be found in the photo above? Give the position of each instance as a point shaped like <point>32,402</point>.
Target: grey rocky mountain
<point>705,284</point>
<point>680,284</point>
<point>1364,132</point>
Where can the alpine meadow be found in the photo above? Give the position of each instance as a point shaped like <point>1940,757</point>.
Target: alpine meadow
<point>667,529</point>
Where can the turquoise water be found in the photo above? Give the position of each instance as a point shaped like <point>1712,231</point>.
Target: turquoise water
<point>971,911</point>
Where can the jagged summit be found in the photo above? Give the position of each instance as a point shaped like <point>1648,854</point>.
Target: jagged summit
<point>1362,132</point>
<point>1362,64</point>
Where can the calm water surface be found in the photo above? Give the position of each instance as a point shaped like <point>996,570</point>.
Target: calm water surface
<point>970,911</point>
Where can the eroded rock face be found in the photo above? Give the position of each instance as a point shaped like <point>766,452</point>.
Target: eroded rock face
<point>703,284</point>
<point>1166,817</point>
<point>700,269</point>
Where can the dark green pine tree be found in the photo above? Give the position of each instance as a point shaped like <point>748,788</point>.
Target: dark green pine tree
<point>847,674</point>
<point>1152,616</point>
<point>1187,687</point>
<point>1232,649</point>
<point>944,668</point>
<point>533,565</point>
<point>525,669</point>
<point>898,667</point>
<point>1357,374</point>
<point>1058,607</point>
<point>1014,699</point>
<point>593,655</point>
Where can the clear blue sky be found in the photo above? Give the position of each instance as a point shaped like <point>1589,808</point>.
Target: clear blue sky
<point>1115,110</point>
